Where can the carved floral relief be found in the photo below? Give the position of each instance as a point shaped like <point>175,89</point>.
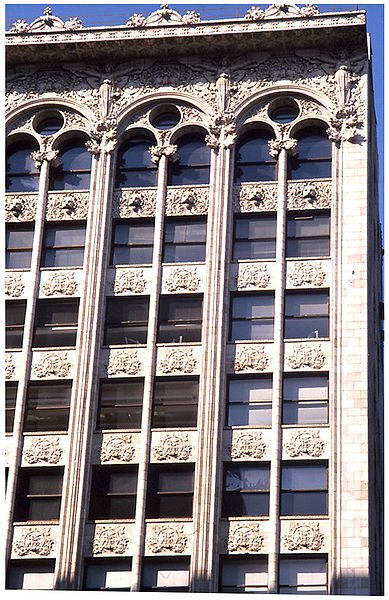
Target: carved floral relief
<point>309,194</point>
<point>62,283</point>
<point>54,364</point>
<point>184,201</point>
<point>129,281</point>
<point>173,446</point>
<point>34,541</point>
<point>248,445</point>
<point>67,206</point>
<point>110,540</point>
<point>305,443</point>
<point>245,538</point>
<point>304,536</point>
<point>253,276</point>
<point>306,356</point>
<point>43,449</point>
<point>20,207</point>
<point>183,279</point>
<point>9,366</point>
<point>168,538</point>
<point>307,273</point>
<point>123,362</point>
<point>14,286</point>
<point>254,197</point>
<point>117,448</point>
<point>134,202</point>
<point>250,358</point>
<point>178,360</point>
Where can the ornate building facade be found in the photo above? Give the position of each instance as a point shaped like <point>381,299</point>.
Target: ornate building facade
<point>193,349</point>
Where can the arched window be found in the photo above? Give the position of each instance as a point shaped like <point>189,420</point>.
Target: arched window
<point>21,173</point>
<point>134,165</point>
<point>192,166</point>
<point>313,158</point>
<point>74,167</point>
<point>253,161</point>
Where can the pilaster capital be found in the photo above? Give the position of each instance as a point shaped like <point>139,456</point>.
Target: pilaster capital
<point>40,156</point>
<point>163,148</point>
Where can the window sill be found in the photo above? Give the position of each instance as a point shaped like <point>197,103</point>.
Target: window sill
<point>45,432</point>
<point>70,268</point>
<point>51,348</point>
<point>121,430</point>
<point>264,341</point>
<point>304,425</point>
<point>108,520</point>
<point>240,261</point>
<point>294,340</point>
<point>131,265</point>
<point>41,522</point>
<point>294,517</point>
<point>300,258</point>
<point>245,518</point>
<point>245,427</point>
<point>168,519</point>
<point>173,429</point>
<point>17,269</point>
<point>178,344</point>
<point>124,346</point>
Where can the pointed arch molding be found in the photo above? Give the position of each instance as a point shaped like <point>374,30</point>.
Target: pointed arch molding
<point>39,103</point>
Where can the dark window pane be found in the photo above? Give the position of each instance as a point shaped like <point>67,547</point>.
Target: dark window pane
<point>305,400</point>
<point>252,306</point>
<point>192,166</point>
<point>185,240</point>
<point>246,504</point>
<point>19,240</point>
<point>38,495</point>
<point>21,173</point>
<point>304,503</point>
<point>304,477</point>
<point>44,509</point>
<point>303,576</point>
<point>113,493</point>
<point>56,323</point>
<point>175,403</point>
<point>245,574</point>
<point>308,235</point>
<point>64,258</point>
<point>108,574</point>
<point>180,319</point>
<point>309,327</point>
<point>170,491</point>
<point>11,390</point>
<point>48,407</point>
<point>133,243</point>
<point>120,405</point>
<point>14,318</point>
<point>74,169</point>
<point>313,158</point>
<point>253,161</point>
<point>126,321</point>
<point>249,402</point>
<point>167,574</point>
<point>134,165</point>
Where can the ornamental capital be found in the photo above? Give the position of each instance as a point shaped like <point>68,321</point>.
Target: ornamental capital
<point>39,157</point>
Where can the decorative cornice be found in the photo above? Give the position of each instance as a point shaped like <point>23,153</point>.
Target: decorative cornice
<point>35,541</point>
<point>173,446</point>
<point>253,276</point>
<point>187,201</point>
<point>134,203</point>
<point>46,22</point>
<point>307,273</point>
<point>43,449</point>
<point>117,448</point>
<point>54,364</point>
<point>163,16</point>
<point>168,538</point>
<point>245,538</point>
<point>178,360</point>
<point>255,197</point>
<point>9,366</point>
<point>248,445</point>
<point>14,286</point>
<point>305,443</point>
<point>62,283</point>
<point>110,540</point>
<point>309,194</point>
<point>249,358</point>
<point>129,281</point>
<point>67,206</point>
<point>304,536</point>
<point>307,356</point>
<point>183,279</point>
<point>20,207</point>
<point>123,362</point>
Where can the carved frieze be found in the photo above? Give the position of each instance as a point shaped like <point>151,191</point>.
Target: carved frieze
<point>9,366</point>
<point>253,276</point>
<point>245,538</point>
<point>184,201</point>
<point>304,536</point>
<point>134,203</point>
<point>305,443</point>
<point>60,283</point>
<point>117,448</point>
<point>248,445</point>
<point>110,540</point>
<point>307,356</point>
<point>123,362</point>
<point>307,273</point>
<point>53,364</point>
<point>249,358</point>
<point>183,279</point>
<point>67,206</point>
<point>129,281</point>
<point>178,360</point>
<point>20,207</point>
<point>168,538</point>
<point>173,446</point>
<point>34,541</point>
<point>43,449</point>
<point>309,194</point>
<point>255,197</point>
<point>14,286</point>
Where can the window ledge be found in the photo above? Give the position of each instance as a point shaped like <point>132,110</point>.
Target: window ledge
<point>305,517</point>
<point>102,521</point>
<point>178,344</point>
<point>56,348</point>
<point>121,430</point>
<point>47,433</point>
<point>245,427</point>
<point>295,340</point>
<point>124,346</point>
<point>245,518</point>
<point>29,523</point>
<point>169,520</point>
<point>172,429</point>
<point>304,425</point>
<point>302,258</point>
<point>75,268</point>
<point>18,270</point>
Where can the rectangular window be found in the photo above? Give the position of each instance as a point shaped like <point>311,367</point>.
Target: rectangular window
<point>126,321</point>
<point>184,240</point>
<point>243,575</point>
<point>170,491</point>
<point>252,317</point>
<point>19,238</point>
<point>304,489</point>
<point>175,402</point>
<point>108,574</point>
<point>11,390</point>
<point>48,406</point>
<point>132,242</point>
<point>64,245</point>
<point>30,574</point>
<point>15,312</point>
<point>56,323</point>
<point>120,404</point>
<point>305,399</point>
<point>38,495</point>
<point>249,401</point>
<point>113,492</point>
<point>303,575</point>
<point>246,490</point>
<point>165,575</point>
<point>254,237</point>
<point>306,314</point>
<point>180,319</point>
<point>308,234</point>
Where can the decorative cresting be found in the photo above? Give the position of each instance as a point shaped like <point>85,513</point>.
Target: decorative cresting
<point>173,446</point>
<point>250,358</point>
<point>183,279</point>
<point>304,536</point>
<point>168,538</point>
<point>282,141</point>
<point>20,207</point>
<point>67,206</point>
<point>13,286</point>
<point>305,443</point>
<point>248,445</point>
<point>307,356</point>
<point>163,16</point>
<point>9,366</point>
<point>43,449</point>
<point>60,283</point>
<point>53,364</point>
<point>187,201</point>
<point>110,540</point>
<point>123,362</point>
<point>178,360</point>
<point>134,203</point>
<point>281,11</point>
<point>46,22</point>
<point>117,448</point>
<point>309,194</point>
<point>307,273</point>
<point>253,276</point>
<point>245,538</point>
<point>34,541</point>
<point>249,197</point>
<point>129,281</point>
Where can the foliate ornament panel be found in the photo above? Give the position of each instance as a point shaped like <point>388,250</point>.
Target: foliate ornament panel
<point>45,450</point>
<point>134,202</point>
<point>304,444</point>
<point>245,538</point>
<point>123,362</point>
<point>20,207</point>
<point>305,355</point>
<point>309,194</point>
<point>250,197</point>
<point>165,539</point>
<point>51,364</point>
<point>304,537</point>
<point>309,107</point>
<point>117,448</point>
<point>250,358</point>
<point>110,540</point>
<point>14,285</point>
<point>129,281</point>
<point>172,447</point>
<point>61,283</point>
<point>34,541</point>
<point>177,360</point>
<point>9,367</point>
<point>247,445</point>
<point>187,201</point>
<point>74,120</point>
<point>191,114</point>
<point>66,206</point>
<point>302,274</point>
<point>253,276</point>
<point>182,279</point>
